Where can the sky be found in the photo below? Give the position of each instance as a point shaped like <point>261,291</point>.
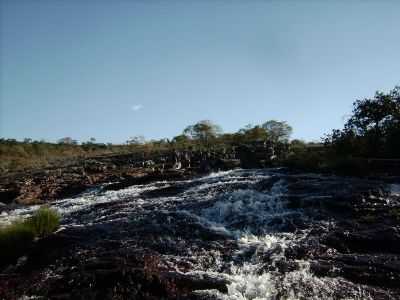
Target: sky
<point>117,69</point>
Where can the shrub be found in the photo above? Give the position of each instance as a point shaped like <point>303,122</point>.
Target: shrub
<point>305,159</point>
<point>17,238</point>
<point>43,222</point>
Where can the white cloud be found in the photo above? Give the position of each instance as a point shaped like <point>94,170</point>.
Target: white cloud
<point>136,107</point>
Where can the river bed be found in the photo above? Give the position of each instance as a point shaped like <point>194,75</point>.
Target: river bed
<point>241,234</point>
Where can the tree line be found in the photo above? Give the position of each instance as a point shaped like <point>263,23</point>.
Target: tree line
<point>372,131</point>
<point>368,143</point>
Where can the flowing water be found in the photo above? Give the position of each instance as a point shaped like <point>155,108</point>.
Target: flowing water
<point>237,227</point>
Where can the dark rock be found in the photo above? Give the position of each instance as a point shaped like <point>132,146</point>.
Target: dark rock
<point>377,270</point>
<point>169,191</point>
<point>265,185</point>
<point>7,196</point>
<point>384,240</point>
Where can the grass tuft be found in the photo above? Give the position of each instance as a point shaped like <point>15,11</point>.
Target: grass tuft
<point>17,238</point>
<point>43,222</point>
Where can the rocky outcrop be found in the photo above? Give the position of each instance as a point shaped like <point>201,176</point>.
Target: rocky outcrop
<point>40,186</point>
<point>363,243</point>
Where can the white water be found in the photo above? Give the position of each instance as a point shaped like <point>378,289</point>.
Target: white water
<point>248,280</point>
<point>253,220</point>
<point>395,189</point>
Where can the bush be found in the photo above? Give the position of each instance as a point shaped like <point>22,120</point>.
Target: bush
<point>17,238</point>
<point>305,159</point>
<point>43,222</point>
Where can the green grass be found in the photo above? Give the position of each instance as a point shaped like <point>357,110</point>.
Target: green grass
<point>43,222</point>
<point>17,238</point>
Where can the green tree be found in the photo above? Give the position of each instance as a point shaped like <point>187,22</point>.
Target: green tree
<point>378,114</point>
<point>251,134</point>
<point>181,141</point>
<point>278,131</point>
<point>373,130</point>
<point>203,131</point>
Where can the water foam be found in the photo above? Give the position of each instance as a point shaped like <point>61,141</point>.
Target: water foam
<point>246,214</point>
<point>246,217</point>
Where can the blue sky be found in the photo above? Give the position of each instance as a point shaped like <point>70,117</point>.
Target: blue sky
<point>116,69</point>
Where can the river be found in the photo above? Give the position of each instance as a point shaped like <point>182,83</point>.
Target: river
<point>240,234</point>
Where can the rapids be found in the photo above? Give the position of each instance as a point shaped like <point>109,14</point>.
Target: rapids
<point>241,227</point>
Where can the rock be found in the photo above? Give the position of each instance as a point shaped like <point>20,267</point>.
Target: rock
<point>383,240</point>
<point>142,247</point>
<point>265,185</point>
<point>169,191</point>
<point>145,178</point>
<point>377,270</point>
<point>8,195</point>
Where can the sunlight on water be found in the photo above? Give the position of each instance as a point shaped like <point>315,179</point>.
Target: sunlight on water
<point>246,214</point>
<point>259,223</point>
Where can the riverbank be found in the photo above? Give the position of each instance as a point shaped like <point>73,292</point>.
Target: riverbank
<point>43,185</point>
<point>38,186</point>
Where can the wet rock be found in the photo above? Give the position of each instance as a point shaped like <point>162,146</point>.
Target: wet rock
<point>169,191</point>
<point>146,178</point>
<point>377,270</point>
<point>8,195</point>
<point>291,235</point>
<point>45,185</point>
<point>197,282</point>
<point>265,185</point>
<point>385,239</point>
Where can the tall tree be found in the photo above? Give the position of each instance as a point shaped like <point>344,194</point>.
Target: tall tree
<point>250,133</point>
<point>203,131</point>
<point>378,114</point>
<point>278,131</point>
<point>373,130</point>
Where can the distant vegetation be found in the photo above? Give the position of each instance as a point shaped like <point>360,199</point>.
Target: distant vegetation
<point>17,238</point>
<point>371,134</point>
<point>28,154</point>
<point>372,131</point>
